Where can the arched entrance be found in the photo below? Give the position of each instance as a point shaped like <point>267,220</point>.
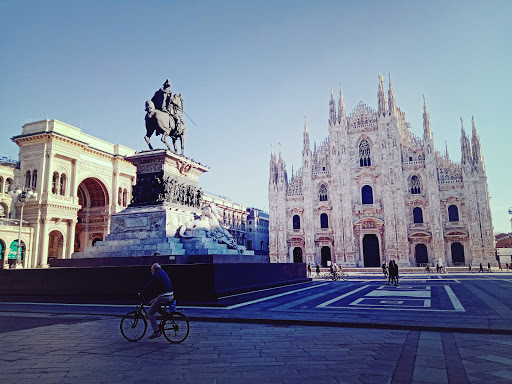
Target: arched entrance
<point>325,252</point>
<point>13,252</point>
<point>458,254</point>
<point>297,255</point>
<point>371,252</point>
<point>94,199</point>
<point>421,255</point>
<point>55,245</point>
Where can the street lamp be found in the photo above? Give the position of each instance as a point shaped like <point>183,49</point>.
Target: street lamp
<point>22,196</point>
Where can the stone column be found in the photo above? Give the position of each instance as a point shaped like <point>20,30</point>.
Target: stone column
<point>73,186</point>
<point>47,181</point>
<point>70,238</point>
<point>43,249</point>
<point>115,182</point>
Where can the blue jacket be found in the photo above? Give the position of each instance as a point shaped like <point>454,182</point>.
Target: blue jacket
<point>158,283</point>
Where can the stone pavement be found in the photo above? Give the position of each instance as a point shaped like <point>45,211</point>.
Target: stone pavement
<point>90,349</point>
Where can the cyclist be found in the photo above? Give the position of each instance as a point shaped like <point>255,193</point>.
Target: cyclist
<point>160,285</point>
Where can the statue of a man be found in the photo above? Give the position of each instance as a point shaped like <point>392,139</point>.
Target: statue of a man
<point>163,98</point>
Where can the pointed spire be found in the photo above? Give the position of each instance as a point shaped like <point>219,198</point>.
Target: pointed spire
<point>332,110</point>
<point>391,94</point>
<point>341,106</point>
<point>446,155</point>
<point>306,150</point>
<point>475,143</point>
<point>427,131</point>
<point>382,101</point>
<point>465,150</point>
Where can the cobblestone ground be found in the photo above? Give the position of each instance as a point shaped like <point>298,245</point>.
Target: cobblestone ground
<point>39,348</point>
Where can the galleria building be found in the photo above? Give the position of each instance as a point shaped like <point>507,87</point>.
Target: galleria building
<point>373,192</point>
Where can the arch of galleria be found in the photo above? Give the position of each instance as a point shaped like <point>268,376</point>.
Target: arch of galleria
<point>80,182</point>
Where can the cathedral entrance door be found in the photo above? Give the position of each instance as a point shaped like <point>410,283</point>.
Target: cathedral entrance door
<point>371,251</point>
<point>458,254</point>
<point>297,255</point>
<point>326,255</point>
<point>421,255</point>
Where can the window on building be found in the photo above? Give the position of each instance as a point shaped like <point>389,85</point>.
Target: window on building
<point>324,220</point>
<point>367,195</point>
<point>63,180</point>
<point>8,184</point>
<point>125,197</point>
<point>322,192</point>
<point>453,213</point>
<point>1,184</point>
<point>364,154</point>
<point>55,183</point>
<point>417,213</point>
<point>296,222</point>
<point>415,185</point>
<point>249,245</point>
<point>34,179</point>
<point>27,179</point>
<point>119,196</point>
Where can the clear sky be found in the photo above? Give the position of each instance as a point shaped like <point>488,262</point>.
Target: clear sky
<point>250,70</point>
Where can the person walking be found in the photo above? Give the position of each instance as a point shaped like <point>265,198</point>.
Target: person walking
<point>309,270</point>
<point>317,270</point>
<point>488,267</point>
<point>469,267</point>
<point>391,271</point>
<point>395,270</point>
<point>385,270</point>
<point>481,268</point>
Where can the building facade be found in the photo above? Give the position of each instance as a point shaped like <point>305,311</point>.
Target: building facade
<point>373,192</point>
<point>257,231</point>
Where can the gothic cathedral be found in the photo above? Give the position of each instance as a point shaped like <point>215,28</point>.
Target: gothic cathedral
<point>374,192</point>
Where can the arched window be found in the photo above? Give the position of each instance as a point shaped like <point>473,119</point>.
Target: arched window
<point>125,196</point>
<point>63,184</point>
<point>367,195</point>
<point>453,213</point>
<point>415,185</point>
<point>417,213</point>
<point>3,210</point>
<point>27,179</point>
<point>296,222</point>
<point>364,154</point>
<point>324,220</point>
<point>8,183</point>
<point>55,183</point>
<point>119,196</point>
<point>322,192</point>
<point>34,179</point>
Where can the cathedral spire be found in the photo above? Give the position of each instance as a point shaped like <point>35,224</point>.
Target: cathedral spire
<point>446,155</point>
<point>381,95</point>
<point>306,149</point>
<point>391,94</point>
<point>332,109</point>
<point>427,131</point>
<point>341,106</point>
<point>475,143</point>
<point>464,145</point>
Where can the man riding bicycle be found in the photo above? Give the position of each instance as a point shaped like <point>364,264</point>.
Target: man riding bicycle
<point>160,285</point>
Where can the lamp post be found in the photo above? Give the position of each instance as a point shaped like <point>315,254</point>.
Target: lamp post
<point>22,196</point>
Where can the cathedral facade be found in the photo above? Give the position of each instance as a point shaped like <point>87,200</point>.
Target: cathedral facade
<point>373,192</point>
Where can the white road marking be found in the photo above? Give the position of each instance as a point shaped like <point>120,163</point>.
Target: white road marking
<point>419,294</point>
<point>323,305</point>
<point>455,301</point>
<point>273,297</point>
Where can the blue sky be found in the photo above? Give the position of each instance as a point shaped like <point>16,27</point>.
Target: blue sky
<point>250,70</point>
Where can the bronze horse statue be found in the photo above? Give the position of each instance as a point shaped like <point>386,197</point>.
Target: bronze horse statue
<point>165,124</point>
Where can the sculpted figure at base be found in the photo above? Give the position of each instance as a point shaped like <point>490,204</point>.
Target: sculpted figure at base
<point>208,225</point>
<point>164,116</point>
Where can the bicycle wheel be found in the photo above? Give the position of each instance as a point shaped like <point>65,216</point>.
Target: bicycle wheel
<point>133,326</point>
<point>175,327</point>
<point>344,277</point>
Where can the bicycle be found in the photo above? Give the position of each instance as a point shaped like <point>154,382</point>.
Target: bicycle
<point>174,325</point>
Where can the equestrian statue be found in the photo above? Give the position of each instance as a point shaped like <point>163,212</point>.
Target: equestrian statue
<point>164,116</point>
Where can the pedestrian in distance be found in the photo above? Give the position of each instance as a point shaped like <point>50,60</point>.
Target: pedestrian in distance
<point>309,270</point>
<point>506,265</point>
<point>391,271</point>
<point>385,270</point>
<point>469,267</point>
<point>437,268</point>
<point>481,268</point>
<point>317,270</point>
<point>427,269</point>
<point>488,267</point>
<point>499,266</point>
<point>395,270</point>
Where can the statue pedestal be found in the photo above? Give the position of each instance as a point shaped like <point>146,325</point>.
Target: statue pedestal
<point>165,197</point>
